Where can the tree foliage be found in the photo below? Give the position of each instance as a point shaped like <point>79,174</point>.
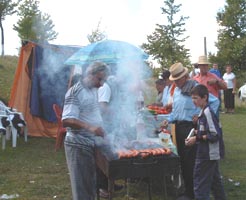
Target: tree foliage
<point>7,7</point>
<point>232,35</point>
<point>166,43</point>
<point>33,24</point>
<point>96,35</point>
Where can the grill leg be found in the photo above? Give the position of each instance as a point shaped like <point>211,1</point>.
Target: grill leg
<point>127,188</point>
<point>149,187</point>
<point>110,188</point>
<point>164,188</point>
<point>98,193</point>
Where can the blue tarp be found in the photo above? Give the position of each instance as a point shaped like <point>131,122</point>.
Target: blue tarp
<point>108,51</point>
<point>50,78</point>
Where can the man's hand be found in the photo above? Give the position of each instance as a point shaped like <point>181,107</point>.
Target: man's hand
<point>97,130</point>
<point>195,119</point>
<point>190,141</point>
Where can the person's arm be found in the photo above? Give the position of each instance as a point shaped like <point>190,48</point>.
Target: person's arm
<point>219,82</point>
<point>214,103</point>
<point>211,134</point>
<point>104,107</point>
<point>222,84</point>
<point>104,97</point>
<point>234,86</point>
<point>77,124</point>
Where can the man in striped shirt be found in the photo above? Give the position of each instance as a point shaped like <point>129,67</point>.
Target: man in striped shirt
<point>82,117</point>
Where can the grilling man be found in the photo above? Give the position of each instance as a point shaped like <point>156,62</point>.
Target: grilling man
<point>82,117</point>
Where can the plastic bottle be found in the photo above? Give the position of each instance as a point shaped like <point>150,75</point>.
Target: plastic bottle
<point>140,127</point>
<point>140,101</point>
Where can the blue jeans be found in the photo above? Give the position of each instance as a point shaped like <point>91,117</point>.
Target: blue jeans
<point>207,178</point>
<point>82,169</point>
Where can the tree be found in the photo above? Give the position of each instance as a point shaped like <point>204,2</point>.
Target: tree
<point>166,42</point>
<point>232,35</point>
<point>7,7</point>
<point>33,24</point>
<point>96,35</point>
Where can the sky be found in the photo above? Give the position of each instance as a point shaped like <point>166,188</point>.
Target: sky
<point>126,20</point>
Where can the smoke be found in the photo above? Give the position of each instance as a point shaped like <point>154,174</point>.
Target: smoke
<point>125,121</point>
<point>123,124</point>
<point>53,68</point>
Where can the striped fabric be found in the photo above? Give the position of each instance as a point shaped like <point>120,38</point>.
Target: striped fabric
<point>213,147</point>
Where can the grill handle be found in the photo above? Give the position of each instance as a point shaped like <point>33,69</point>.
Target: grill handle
<point>145,163</point>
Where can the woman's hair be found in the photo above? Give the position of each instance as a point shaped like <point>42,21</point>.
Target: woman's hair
<point>165,74</point>
<point>200,90</point>
<point>228,65</point>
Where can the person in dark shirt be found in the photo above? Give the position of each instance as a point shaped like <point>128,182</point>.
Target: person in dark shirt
<point>215,70</point>
<point>159,85</point>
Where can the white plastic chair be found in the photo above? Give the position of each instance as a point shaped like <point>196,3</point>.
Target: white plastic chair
<point>2,131</point>
<point>11,130</point>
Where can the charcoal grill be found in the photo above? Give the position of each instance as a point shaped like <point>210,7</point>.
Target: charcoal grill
<point>137,167</point>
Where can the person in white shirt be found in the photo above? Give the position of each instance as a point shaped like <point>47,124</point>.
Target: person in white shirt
<point>229,94</point>
<point>108,98</point>
<point>195,70</point>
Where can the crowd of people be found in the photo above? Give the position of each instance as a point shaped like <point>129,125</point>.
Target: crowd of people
<point>187,115</point>
<point>204,87</point>
<point>195,99</point>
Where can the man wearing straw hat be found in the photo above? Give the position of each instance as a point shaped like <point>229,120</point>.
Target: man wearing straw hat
<point>182,116</point>
<point>210,80</point>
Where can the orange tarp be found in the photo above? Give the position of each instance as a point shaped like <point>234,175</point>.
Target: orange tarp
<point>20,97</point>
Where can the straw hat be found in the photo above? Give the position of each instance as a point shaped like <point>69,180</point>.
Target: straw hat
<point>203,60</point>
<point>177,71</point>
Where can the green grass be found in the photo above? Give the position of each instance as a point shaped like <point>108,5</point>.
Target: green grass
<point>36,172</point>
<point>234,165</point>
<point>8,66</point>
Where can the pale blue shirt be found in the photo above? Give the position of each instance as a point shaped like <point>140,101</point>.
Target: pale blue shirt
<point>184,108</point>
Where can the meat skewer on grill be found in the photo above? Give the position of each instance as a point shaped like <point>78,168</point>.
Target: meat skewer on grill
<point>143,153</point>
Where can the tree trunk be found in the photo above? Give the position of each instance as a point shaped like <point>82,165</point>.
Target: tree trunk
<point>2,34</point>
